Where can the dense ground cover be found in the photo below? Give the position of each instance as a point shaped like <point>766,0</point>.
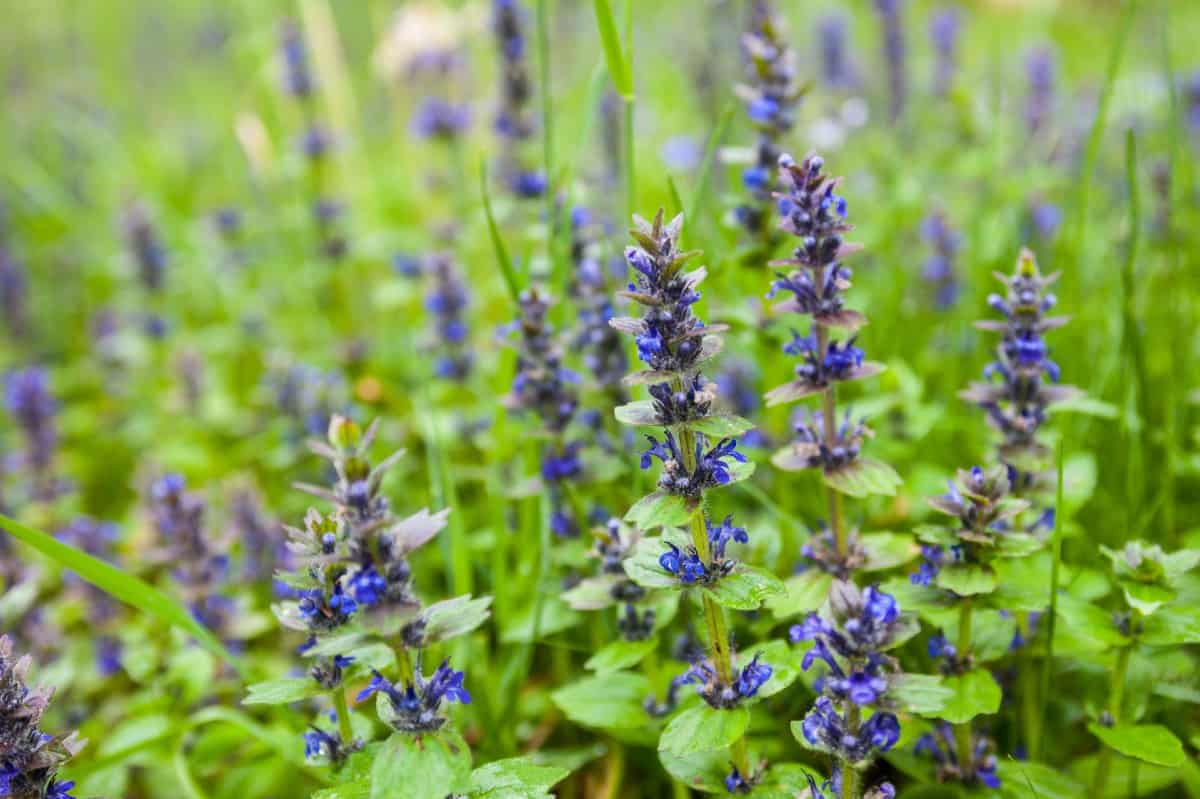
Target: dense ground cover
<point>714,472</point>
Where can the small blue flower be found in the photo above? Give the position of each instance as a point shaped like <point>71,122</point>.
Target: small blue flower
<point>753,676</point>
<point>368,586</point>
<point>736,783</point>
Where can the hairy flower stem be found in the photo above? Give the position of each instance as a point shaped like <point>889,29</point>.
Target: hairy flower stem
<point>343,715</point>
<point>962,732</point>
<point>849,775</point>
<point>1116,698</point>
<point>714,614</point>
<point>829,420</point>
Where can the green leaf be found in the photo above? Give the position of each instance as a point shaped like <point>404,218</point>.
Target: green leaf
<point>620,655</point>
<point>1026,780</point>
<point>639,413</point>
<point>282,692</point>
<point>972,694</point>
<point>1151,743</point>
<point>359,789</point>
<point>502,258</point>
<point>922,694</point>
<point>454,617</point>
<point>784,660</point>
<point>617,66</point>
<point>802,594</point>
<point>592,593</point>
<point>720,426</point>
<point>1146,598</point>
<point>967,579</point>
<point>887,550</point>
<point>428,767</point>
<point>702,728</point>
<point>643,567</point>
<point>700,771</point>
<point>120,585</point>
<point>659,509</point>
<point>745,589</point>
<point>611,701</point>
<point>864,477</point>
<point>1173,625</point>
<point>740,471</point>
<point>1017,545</point>
<point>514,778</point>
<point>1085,624</point>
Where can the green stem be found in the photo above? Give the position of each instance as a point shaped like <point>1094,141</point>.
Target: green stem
<point>616,771</point>
<point>1035,741</point>
<point>850,787</point>
<point>829,423</point>
<point>962,732</point>
<point>404,663</point>
<point>343,714</point>
<point>1116,698</point>
<point>714,614</point>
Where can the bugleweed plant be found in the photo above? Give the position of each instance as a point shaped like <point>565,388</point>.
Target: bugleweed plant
<point>655,534</point>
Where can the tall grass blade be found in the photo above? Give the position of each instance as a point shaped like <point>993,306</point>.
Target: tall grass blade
<point>611,41</point>
<point>502,257</point>
<point>121,585</point>
<point>1052,615</point>
<point>706,166</point>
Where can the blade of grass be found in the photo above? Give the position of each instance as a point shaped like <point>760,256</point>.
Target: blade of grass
<point>552,207</point>
<point>502,258</point>
<point>710,156</point>
<point>611,42</point>
<point>1131,337</point>
<point>1095,137</point>
<point>676,200</point>
<point>1051,621</point>
<point>121,585</point>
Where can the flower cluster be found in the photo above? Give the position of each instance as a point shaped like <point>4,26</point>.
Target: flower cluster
<point>940,745</point>
<point>306,394</point>
<point>669,336</point>
<point>145,246</point>
<point>353,569</point>
<point>1022,381</point>
<point>414,706</point>
<point>545,387</point>
<point>837,72</point>
<point>944,29</point>
<point>30,403</point>
<point>29,758</point>
<point>603,353</point>
<point>439,116</point>
<point>1039,102</point>
<point>813,212</point>
<point>674,342</point>
<point>721,694</point>
<point>315,143</point>
<point>447,302</point>
<point>14,286</point>
<point>690,568</point>
<point>514,121</point>
<point>894,54</point>
<point>939,269</point>
<point>201,566</point>
<point>865,623</point>
<point>711,467</point>
<point>771,95</point>
<point>812,450</point>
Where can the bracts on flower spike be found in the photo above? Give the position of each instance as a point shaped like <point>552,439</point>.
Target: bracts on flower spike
<point>771,94</point>
<point>29,758</point>
<point>697,450</point>
<point>853,719</point>
<point>1023,380</point>
<point>815,213</point>
<point>352,585</point>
